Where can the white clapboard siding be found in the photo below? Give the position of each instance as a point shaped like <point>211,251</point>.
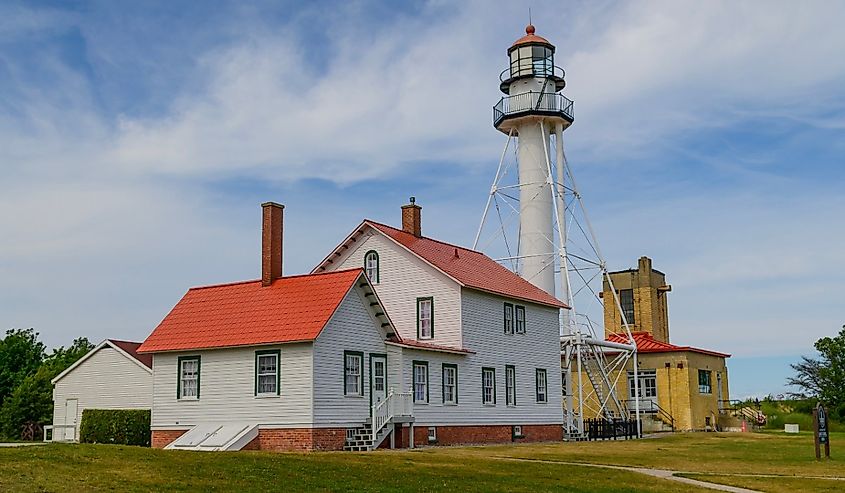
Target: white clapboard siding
<point>227,389</point>
<point>404,277</point>
<point>351,328</point>
<point>107,379</point>
<point>539,347</point>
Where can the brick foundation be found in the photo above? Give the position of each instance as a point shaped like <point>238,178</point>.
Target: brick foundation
<point>467,435</point>
<point>162,438</point>
<point>278,440</point>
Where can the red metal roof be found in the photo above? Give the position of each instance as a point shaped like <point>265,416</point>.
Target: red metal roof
<point>292,309</point>
<point>410,343</point>
<point>131,348</point>
<point>647,344</point>
<point>530,37</point>
<point>471,268</point>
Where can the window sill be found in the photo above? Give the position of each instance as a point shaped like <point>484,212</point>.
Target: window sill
<point>418,403</point>
<point>542,402</point>
<point>511,405</point>
<point>267,396</point>
<point>353,396</point>
<point>188,399</point>
<point>452,404</point>
<point>489,405</point>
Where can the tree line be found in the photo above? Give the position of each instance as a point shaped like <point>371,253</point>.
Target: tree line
<point>823,377</point>
<point>26,393</point>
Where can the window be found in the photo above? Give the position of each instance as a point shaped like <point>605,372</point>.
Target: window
<point>488,386</point>
<point>189,378</point>
<point>516,431</point>
<point>450,383</point>
<point>371,266</point>
<point>353,375</point>
<point>421,381</point>
<point>267,372</point>
<point>425,318</point>
<point>542,386</point>
<point>520,319</point>
<point>432,434</point>
<point>508,318</point>
<point>510,385</point>
<point>626,299</point>
<point>647,384</point>
<point>704,382</point>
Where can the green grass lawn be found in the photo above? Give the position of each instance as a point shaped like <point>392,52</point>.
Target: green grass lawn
<point>710,457</point>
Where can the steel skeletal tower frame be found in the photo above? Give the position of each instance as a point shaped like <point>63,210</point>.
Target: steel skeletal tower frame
<point>554,233</point>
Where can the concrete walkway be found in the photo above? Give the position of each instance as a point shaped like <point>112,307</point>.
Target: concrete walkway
<point>657,473</point>
<point>20,444</point>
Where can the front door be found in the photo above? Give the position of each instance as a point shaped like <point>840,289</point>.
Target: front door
<point>71,408</point>
<point>648,390</point>
<point>378,378</point>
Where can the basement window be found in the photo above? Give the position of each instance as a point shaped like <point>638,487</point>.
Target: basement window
<point>516,432</point>
<point>432,434</point>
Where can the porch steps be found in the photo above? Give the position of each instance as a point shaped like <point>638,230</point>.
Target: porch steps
<point>361,439</point>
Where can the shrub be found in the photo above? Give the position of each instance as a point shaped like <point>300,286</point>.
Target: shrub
<point>118,426</point>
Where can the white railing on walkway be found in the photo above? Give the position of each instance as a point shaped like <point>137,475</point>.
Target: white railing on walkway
<point>395,404</point>
<point>66,433</point>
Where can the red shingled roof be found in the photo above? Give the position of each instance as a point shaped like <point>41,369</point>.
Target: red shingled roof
<point>647,344</point>
<point>471,268</point>
<point>292,309</point>
<point>131,348</point>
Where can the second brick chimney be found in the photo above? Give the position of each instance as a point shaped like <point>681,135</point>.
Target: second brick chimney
<point>411,218</point>
<point>271,242</point>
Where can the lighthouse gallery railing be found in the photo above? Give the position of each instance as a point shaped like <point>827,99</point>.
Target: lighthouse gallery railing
<point>533,102</point>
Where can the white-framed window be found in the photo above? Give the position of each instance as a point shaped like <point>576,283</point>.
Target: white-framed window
<point>542,386</point>
<point>520,319</point>
<point>353,375</point>
<point>267,372</point>
<point>425,318</point>
<point>371,266</point>
<point>488,386</point>
<point>420,381</point>
<point>508,318</point>
<point>517,431</point>
<point>510,385</point>
<point>432,434</point>
<point>450,383</point>
<point>189,377</point>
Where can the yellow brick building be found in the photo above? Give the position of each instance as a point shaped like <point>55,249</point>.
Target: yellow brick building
<point>681,387</point>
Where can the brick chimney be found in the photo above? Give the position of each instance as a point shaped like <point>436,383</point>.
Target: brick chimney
<point>411,218</point>
<point>271,242</point>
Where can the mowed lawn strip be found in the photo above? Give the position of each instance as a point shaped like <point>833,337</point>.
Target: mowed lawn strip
<point>775,485</point>
<point>719,453</point>
<point>63,467</point>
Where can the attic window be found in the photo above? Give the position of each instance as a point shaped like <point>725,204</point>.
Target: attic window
<point>371,266</point>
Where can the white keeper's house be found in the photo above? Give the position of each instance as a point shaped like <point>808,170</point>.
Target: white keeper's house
<point>394,339</point>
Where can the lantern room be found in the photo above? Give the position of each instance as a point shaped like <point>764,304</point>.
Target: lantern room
<point>531,56</point>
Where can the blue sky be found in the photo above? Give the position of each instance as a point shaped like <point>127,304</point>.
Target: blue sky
<point>138,140</point>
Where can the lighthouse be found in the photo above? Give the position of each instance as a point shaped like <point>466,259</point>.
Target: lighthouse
<point>533,111</point>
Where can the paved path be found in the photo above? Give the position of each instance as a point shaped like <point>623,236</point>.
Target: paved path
<point>19,444</point>
<point>657,473</point>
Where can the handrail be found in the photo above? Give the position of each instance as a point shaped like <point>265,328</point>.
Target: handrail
<point>653,407</point>
<point>556,72</point>
<point>395,404</point>
<point>532,101</point>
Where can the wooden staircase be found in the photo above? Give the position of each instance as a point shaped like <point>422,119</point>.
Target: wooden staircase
<point>397,407</point>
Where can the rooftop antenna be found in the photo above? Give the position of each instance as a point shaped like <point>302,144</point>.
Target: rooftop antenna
<point>529,16</point>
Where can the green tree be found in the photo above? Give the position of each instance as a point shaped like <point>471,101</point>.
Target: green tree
<point>31,402</point>
<point>823,377</point>
<point>21,354</point>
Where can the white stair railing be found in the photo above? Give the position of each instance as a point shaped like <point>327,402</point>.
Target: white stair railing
<point>395,404</point>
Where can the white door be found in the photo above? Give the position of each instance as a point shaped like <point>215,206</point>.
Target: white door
<point>71,408</point>
<point>648,390</point>
<point>378,378</point>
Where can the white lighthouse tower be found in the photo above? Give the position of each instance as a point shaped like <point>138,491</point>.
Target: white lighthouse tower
<point>533,110</point>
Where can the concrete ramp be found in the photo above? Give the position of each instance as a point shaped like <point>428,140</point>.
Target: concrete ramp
<point>214,437</point>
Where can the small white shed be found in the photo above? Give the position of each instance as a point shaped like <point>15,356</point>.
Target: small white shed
<point>111,376</point>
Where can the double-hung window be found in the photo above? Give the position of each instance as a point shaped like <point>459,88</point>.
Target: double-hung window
<point>508,318</point>
<point>542,386</point>
<point>371,266</point>
<point>353,374</point>
<point>510,385</point>
<point>520,319</point>
<point>450,383</point>
<point>267,372</point>
<point>488,386</point>
<point>420,381</point>
<point>704,382</point>
<point>189,377</point>
<point>626,300</point>
<point>425,318</point>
